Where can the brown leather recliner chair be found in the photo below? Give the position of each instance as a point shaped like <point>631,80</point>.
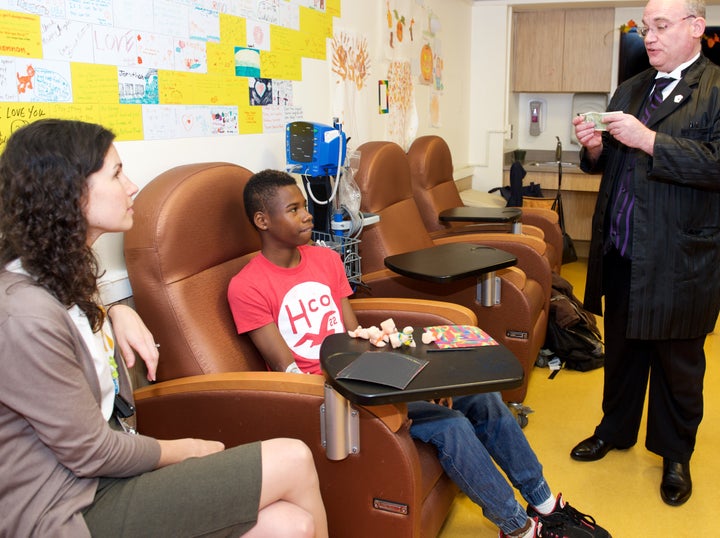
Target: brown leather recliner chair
<point>519,322</point>
<point>190,237</point>
<point>434,190</point>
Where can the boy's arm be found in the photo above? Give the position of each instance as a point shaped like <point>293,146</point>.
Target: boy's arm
<point>272,347</point>
<point>349,318</point>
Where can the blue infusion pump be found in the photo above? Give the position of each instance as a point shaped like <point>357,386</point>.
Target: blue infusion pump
<point>314,149</point>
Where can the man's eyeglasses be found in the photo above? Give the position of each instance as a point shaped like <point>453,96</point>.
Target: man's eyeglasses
<point>661,27</point>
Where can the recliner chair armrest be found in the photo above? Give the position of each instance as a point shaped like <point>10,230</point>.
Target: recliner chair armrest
<point>236,383</point>
<point>410,309</point>
<point>529,250</point>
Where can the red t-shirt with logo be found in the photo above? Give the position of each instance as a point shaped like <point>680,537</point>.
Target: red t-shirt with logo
<point>303,301</point>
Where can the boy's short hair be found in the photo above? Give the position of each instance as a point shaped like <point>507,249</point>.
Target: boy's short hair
<point>261,188</point>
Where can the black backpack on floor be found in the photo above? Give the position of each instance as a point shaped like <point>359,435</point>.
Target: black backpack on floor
<point>572,333</point>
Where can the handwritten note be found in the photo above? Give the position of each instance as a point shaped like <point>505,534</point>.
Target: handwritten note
<point>93,11</point>
<point>20,35</point>
<point>232,30</point>
<point>160,69</point>
<point>250,119</point>
<point>93,84</point>
<point>67,40</point>
<point>220,59</point>
<point>283,65</point>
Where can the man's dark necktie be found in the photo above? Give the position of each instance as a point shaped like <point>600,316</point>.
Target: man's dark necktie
<point>624,196</point>
<point>655,99</point>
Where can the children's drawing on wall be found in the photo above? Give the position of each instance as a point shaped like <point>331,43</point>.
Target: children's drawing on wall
<point>224,120</point>
<point>426,64</point>
<point>154,50</point>
<point>351,65</point>
<point>258,35</point>
<point>247,62</point>
<point>190,55</point>
<point>25,80</point>
<point>400,25</point>
<point>403,120</point>
<point>282,92</point>
<point>113,61</point>
<point>438,66</point>
<point>138,86</point>
<point>383,107</point>
<point>434,112</point>
<point>400,31</point>
<point>43,81</point>
<point>261,91</point>
<point>268,10</point>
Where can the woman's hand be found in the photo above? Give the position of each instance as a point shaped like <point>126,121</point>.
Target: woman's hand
<point>132,336</point>
<point>177,450</point>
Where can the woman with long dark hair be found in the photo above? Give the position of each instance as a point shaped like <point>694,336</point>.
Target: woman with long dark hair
<point>71,462</point>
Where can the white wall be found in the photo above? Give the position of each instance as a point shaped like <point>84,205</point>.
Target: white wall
<point>495,108</point>
<point>143,160</point>
<point>478,110</point>
<point>488,93</point>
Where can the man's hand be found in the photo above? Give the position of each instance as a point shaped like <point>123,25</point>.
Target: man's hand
<point>588,137</point>
<point>628,130</point>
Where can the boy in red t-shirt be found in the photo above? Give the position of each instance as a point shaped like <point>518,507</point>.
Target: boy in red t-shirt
<point>292,295</point>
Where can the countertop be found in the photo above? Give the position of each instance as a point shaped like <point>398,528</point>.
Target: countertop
<point>544,161</point>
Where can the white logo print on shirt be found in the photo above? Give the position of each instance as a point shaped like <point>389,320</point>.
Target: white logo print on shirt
<point>307,315</point>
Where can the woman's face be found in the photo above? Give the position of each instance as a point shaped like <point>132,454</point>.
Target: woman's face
<point>109,198</point>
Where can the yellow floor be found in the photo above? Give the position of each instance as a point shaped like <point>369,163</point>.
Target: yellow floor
<point>622,490</point>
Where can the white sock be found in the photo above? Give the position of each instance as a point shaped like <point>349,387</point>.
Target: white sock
<point>547,506</point>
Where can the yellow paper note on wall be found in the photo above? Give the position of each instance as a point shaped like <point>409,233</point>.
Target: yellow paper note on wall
<point>332,7</point>
<point>124,120</point>
<point>94,83</point>
<point>232,91</point>
<point>220,58</point>
<point>233,30</point>
<point>315,46</point>
<point>15,115</point>
<point>70,111</point>
<point>315,22</point>
<point>175,87</point>
<point>20,35</point>
<point>285,39</point>
<point>250,120</point>
<point>282,65</point>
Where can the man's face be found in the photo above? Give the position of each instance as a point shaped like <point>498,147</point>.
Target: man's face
<point>673,35</point>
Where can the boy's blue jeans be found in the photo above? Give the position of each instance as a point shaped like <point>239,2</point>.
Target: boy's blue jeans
<point>477,430</point>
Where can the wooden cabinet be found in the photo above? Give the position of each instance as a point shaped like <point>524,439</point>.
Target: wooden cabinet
<point>563,50</point>
<point>579,193</point>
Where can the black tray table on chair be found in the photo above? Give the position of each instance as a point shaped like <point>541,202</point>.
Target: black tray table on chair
<point>484,215</point>
<point>448,372</point>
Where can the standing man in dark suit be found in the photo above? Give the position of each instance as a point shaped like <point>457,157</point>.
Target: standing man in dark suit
<point>655,248</point>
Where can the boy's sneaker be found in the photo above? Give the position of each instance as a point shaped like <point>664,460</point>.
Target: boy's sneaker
<point>566,522</point>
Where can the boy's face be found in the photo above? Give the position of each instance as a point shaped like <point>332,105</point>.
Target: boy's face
<point>287,219</point>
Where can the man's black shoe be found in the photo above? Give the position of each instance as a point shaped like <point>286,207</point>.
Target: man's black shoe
<point>676,485</point>
<point>591,449</point>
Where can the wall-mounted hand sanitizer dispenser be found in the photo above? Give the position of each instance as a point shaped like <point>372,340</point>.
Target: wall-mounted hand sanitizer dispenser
<point>537,116</point>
